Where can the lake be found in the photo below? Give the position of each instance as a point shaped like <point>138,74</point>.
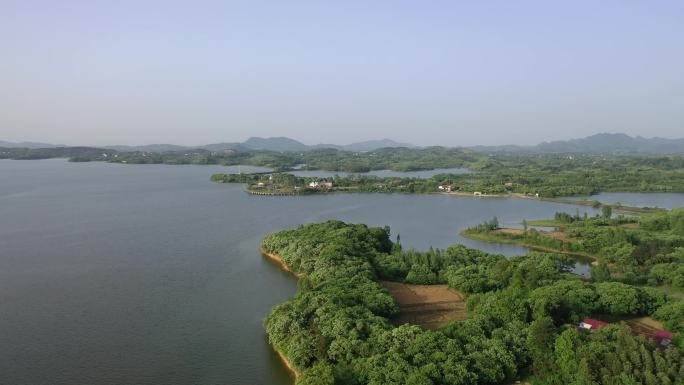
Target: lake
<point>662,200</point>
<point>150,274</point>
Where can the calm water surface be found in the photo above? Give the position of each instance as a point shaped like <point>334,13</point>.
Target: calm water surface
<point>663,200</point>
<point>150,274</point>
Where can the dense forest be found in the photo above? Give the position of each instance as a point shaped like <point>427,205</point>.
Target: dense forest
<point>336,329</point>
<point>645,250</point>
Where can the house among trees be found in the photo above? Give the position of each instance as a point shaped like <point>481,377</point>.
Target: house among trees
<point>662,338</point>
<point>592,324</point>
<point>321,184</point>
<point>445,188</point>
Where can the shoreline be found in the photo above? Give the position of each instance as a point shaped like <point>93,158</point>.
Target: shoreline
<point>279,261</point>
<point>287,364</point>
<point>617,207</point>
<point>472,236</point>
<point>569,201</point>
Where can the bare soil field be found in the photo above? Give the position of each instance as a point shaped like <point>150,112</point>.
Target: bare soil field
<point>519,232</point>
<point>430,306</point>
<point>644,325</point>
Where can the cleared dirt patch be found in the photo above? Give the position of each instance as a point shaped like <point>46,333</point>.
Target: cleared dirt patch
<point>430,306</point>
<point>551,234</point>
<point>644,325</point>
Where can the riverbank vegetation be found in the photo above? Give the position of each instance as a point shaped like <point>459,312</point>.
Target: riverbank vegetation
<point>647,250</point>
<point>539,176</point>
<point>284,182</point>
<point>337,329</point>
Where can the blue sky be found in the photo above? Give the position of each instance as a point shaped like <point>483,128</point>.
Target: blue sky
<point>426,72</point>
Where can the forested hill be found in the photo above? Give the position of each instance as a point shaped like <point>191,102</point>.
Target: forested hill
<point>597,144</point>
<point>522,314</point>
<point>604,143</point>
<point>72,153</point>
<point>612,143</point>
<point>276,144</point>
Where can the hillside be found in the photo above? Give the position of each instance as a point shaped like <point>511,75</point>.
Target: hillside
<point>615,143</point>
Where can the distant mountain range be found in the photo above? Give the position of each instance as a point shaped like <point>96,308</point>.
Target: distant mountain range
<point>286,144</point>
<point>280,144</point>
<point>28,145</point>
<point>604,143</point>
<point>615,143</point>
<point>596,144</point>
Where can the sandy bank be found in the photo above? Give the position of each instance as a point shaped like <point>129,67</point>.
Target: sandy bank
<point>287,364</point>
<point>279,261</point>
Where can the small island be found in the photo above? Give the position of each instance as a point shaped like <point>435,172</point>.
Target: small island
<point>283,183</point>
<point>276,184</point>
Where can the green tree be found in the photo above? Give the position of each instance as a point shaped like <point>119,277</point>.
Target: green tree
<point>541,339</point>
<point>601,272</point>
<point>607,211</point>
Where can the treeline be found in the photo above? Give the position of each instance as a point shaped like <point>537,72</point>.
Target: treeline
<point>397,159</point>
<point>336,330</point>
<point>646,250</point>
<point>546,176</point>
<point>351,183</point>
<point>73,153</point>
<point>611,356</point>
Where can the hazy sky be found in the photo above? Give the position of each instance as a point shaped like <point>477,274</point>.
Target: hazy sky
<point>426,72</point>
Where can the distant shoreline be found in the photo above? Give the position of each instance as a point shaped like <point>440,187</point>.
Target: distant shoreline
<point>620,209</point>
<point>494,238</point>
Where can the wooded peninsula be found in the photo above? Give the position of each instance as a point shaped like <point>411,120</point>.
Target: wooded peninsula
<point>527,317</point>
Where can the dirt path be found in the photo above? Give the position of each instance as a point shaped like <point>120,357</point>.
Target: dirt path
<point>430,306</point>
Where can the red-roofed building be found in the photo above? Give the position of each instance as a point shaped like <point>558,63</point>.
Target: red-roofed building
<point>592,324</point>
<point>662,338</point>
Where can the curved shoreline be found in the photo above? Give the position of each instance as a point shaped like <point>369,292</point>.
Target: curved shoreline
<point>531,246</point>
<point>279,261</point>
<point>287,363</point>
